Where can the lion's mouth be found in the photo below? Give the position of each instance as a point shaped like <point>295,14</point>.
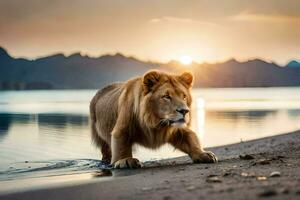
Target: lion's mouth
<point>179,121</point>
<point>172,122</point>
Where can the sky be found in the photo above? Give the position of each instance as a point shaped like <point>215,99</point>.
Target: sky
<point>157,30</point>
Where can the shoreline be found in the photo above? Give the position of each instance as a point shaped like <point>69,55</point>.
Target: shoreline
<point>176,178</point>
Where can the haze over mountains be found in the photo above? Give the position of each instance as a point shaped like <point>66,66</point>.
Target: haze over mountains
<point>83,72</point>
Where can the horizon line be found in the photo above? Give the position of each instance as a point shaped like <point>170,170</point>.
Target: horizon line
<point>66,55</point>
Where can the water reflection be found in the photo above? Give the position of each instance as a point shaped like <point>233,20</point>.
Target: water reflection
<point>294,113</point>
<point>47,127</point>
<point>225,127</point>
<point>5,121</point>
<point>43,137</point>
<point>50,136</point>
<point>252,115</point>
<point>60,121</point>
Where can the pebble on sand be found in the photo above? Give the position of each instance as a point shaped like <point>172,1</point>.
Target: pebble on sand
<point>263,162</point>
<point>213,179</point>
<point>250,174</point>
<point>191,187</point>
<point>147,188</point>
<point>246,157</point>
<point>275,174</point>
<point>261,178</point>
<point>268,193</point>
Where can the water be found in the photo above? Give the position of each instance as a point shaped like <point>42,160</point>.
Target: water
<point>48,131</point>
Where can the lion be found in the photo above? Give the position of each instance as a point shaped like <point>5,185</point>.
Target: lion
<point>151,110</point>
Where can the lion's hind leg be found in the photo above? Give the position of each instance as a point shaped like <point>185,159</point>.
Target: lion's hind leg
<point>105,148</point>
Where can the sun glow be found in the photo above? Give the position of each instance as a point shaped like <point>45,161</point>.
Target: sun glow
<point>186,60</point>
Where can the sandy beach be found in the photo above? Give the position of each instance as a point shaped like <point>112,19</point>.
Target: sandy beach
<point>267,168</point>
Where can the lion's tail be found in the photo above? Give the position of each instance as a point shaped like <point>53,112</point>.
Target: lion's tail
<point>94,133</point>
<point>93,109</point>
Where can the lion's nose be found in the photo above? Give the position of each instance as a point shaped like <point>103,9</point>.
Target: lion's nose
<point>183,111</point>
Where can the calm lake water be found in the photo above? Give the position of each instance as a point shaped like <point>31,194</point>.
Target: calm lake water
<point>51,128</point>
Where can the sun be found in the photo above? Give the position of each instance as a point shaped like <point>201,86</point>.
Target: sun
<point>186,60</point>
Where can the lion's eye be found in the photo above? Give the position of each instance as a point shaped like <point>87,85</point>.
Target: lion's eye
<point>168,97</point>
<point>184,97</point>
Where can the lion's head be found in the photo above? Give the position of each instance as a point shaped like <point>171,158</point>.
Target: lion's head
<point>167,99</point>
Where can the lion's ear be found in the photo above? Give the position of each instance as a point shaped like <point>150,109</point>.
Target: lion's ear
<point>150,79</point>
<point>187,79</point>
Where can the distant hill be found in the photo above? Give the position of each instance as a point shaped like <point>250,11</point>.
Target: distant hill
<point>252,73</point>
<point>72,72</point>
<point>83,72</point>
<point>293,64</point>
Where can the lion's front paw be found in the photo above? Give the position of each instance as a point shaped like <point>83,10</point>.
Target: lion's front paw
<point>205,157</point>
<point>127,163</point>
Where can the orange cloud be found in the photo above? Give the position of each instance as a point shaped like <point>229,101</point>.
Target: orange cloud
<point>246,16</point>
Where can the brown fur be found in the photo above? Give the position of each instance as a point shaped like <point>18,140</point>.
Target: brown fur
<point>149,111</point>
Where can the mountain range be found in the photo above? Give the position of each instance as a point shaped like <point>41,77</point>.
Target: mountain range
<point>83,72</point>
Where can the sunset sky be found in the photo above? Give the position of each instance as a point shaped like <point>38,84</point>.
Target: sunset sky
<point>204,30</point>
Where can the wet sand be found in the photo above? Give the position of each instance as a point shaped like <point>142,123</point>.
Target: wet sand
<point>267,168</point>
